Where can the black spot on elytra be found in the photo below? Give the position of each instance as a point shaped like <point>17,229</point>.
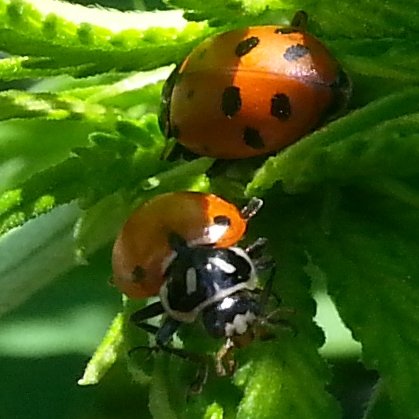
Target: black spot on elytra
<point>252,138</point>
<point>138,274</point>
<point>245,46</point>
<point>280,106</point>
<point>231,101</point>
<point>222,220</point>
<point>190,93</point>
<point>285,30</point>
<point>294,52</point>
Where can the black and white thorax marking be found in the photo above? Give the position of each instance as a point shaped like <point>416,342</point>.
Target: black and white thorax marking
<point>199,277</point>
<point>232,316</point>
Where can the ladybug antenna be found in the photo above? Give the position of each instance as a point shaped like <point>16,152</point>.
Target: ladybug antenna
<point>252,207</point>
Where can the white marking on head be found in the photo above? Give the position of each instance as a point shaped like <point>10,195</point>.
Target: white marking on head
<point>227,303</point>
<point>226,267</point>
<point>212,234</point>
<point>190,281</point>
<point>251,283</point>
<point>216,231</point>
<point>240,324</point>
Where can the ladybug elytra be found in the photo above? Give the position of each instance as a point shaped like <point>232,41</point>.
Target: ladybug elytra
<point>252,91</point>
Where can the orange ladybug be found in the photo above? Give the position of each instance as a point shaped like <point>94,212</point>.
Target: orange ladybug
<point>253,91</point>
<point>142,252</point>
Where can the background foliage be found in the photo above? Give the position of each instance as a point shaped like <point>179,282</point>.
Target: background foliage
<point>80,148</point>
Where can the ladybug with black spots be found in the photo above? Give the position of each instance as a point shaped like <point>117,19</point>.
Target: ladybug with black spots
<point>253,91</point>
<point>142,252</point>
<point>182,247</point>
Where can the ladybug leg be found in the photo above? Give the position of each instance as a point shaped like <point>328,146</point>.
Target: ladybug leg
<point>201,360</point>
<point>275,317</point>
<point>147,312</point>
<point>252,207</point>
<point>263,263</point>
<point>165,332</point>
<point>225,363</point>
<point>163,335</point>
<point>139,317</point>
<point>267,289</point>
<point>255,250</point>
<point>266,293</point>
<point>300,20</point>
<point>200,380</point>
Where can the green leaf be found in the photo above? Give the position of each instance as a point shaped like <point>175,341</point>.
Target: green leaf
<point>369,19</point>
<point>214,411</point>
<point>70,36</point>
<point>105,355</point>
<point>369,253</point>
<point>224,11</point>
<point>17,68</point>
<point>30,146</point>
<point>389,58</point>
<point>280,372</point>
<point>18,104</point>
<point>35,254</point>
<point>381,405</point>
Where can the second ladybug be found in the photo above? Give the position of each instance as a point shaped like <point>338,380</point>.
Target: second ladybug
<point>253,91</point>
<point>142,251</point>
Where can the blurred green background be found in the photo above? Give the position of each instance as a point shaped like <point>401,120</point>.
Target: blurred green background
<point>45,344</point>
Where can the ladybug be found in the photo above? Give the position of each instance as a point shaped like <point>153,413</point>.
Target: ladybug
<point>141,252</point>
<point>219,286</point>
<point>252,91</point>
